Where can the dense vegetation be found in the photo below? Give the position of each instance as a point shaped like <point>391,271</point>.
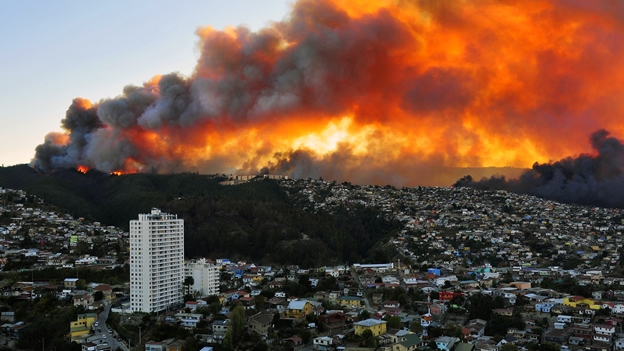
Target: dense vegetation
<point>255,220</point>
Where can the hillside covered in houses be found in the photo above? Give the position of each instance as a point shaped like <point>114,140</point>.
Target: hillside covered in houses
<point>353,267</point>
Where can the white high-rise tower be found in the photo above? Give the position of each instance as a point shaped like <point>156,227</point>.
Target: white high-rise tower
<point>156,261</point>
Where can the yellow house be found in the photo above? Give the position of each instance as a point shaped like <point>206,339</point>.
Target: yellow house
<point>88,319</point>
<point>377,327</point>
<point>78,330</point>
<point>580,301</point>
<point>409,342</point>
<point>350,301</point>
<point>299,309</point>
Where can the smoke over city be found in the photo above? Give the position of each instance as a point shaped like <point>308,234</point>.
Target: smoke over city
<point>595,179</point>
<point>376,92</point>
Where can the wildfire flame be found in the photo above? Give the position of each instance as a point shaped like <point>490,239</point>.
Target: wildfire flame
<point>368,91</point>
<point>82,169</point>
<point>116,173</point>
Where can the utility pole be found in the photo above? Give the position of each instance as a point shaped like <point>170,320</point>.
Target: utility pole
<point>139,335</point>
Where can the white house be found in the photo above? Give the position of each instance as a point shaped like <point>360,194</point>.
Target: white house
<point>618,308</point>
<point>189,320</point>
<point>322,343</point>
<point>604,329</point>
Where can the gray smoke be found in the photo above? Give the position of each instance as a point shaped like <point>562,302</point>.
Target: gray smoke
<point>587,179</point>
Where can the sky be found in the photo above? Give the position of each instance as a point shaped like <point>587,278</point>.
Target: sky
<point>55,51</point>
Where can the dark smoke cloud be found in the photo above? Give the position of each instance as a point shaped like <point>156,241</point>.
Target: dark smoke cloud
<point>596,180</point>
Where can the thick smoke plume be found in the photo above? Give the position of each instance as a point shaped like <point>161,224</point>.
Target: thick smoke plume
<point>595,179</point>
<point>378,92</point>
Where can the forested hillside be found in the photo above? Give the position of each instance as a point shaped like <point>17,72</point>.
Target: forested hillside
<point>255,220</point>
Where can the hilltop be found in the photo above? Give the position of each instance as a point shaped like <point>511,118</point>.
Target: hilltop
<point>256,220</point>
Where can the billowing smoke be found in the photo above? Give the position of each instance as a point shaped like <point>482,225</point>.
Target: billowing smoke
<point>595,179</point>
<point>373,92</point>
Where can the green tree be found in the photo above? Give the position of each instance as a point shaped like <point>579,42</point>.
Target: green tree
<point>228,344</point>
<point>98,296</point>
<point>81,284</point>
<point>368,339</point>
<point>306,335</point>
<point>259,302</point>
<point>509,347</point>
<point>364,315</point>
<point>416,327</point>
<point>394,322</point>
<point>214,308</point>
<point>239,319</point>
<point>549,346</point>
<point>188,282</point>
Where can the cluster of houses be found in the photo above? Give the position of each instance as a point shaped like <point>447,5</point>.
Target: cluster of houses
<point>45,238</point>
<point>463,226</point>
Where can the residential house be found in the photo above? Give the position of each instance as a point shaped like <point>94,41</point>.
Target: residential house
<point>462,346</point>
<point>581,302</point>
<point>557,336</point>
<point>521,285</point>
<point>508,312</point>
<point>409,342</point>
<point>70,283</point>
<point>219,328</point>
<point>350,301</point>
<point>83,300</point>
<point>155,346</point>
<point>480,346</point>
<point>87,318</point>
<point>618,308</point>
<point>474,329</point>
<point>293,344</point>
<point>323,343</point>
<point>189,320</point>
<point>391,304</point>
<point>298,309</point>
<point>582,331</point>
<point>377,327</point>
<point>260,323</point>
<point>445,343</point>
<point>78,330</point>
<point>334,323</point>
<point>106,290</point>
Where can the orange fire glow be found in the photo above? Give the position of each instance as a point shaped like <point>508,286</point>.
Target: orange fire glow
<point>82,169</point>
<point>377,92</point>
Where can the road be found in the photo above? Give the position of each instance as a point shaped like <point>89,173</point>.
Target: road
<point>102,331</point>
<point>369,307</point>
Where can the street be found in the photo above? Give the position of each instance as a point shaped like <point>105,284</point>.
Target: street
<point>102,331</point>
<point>369,307</point>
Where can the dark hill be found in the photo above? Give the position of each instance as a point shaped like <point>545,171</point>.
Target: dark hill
<point>255,220</point>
